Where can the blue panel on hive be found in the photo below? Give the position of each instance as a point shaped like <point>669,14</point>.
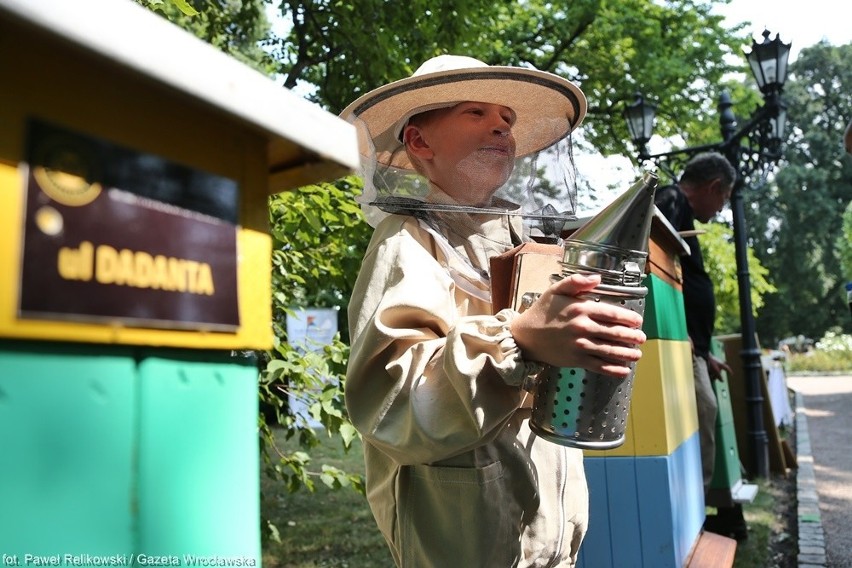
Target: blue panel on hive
<point>671,503</point>
<point>645,511</point>
<point>687,494</point>
<point>597,545</point>
<point>624,514</point>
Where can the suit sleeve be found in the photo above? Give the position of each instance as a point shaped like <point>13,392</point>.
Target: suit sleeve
<point>426,380</point>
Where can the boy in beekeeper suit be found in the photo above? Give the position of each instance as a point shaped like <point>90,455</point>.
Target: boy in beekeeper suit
<point>457,158</point>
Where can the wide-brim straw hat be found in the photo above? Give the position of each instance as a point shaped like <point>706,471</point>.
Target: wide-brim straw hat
<point>547,106</point>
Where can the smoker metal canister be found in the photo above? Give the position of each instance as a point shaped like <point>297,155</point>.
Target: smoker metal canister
<point>572,406</point>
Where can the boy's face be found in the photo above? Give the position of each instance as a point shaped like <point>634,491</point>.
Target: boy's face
<point>467,150</point>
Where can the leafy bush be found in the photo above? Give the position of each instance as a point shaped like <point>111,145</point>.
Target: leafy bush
<point>831,354</point>
<point>315,379</point>
<point>717,246</point>
<point>319,237</point>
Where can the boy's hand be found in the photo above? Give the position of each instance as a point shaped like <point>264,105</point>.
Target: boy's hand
<point>565,330</point>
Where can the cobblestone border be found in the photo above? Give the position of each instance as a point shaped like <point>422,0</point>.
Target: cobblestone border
<point>811,535</point>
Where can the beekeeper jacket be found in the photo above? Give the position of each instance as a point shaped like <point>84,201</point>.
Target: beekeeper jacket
<point>454,476</point>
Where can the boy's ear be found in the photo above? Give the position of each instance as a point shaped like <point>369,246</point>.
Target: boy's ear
<point>412,136</point>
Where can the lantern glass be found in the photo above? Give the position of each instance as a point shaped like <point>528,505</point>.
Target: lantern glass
<point>778,125</point>
<point>768,61</point>
<point>640,119</point>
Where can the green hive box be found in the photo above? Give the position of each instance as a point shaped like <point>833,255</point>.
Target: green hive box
<point>135,166</point>
<point>727,486</point>
<point>110,451</point>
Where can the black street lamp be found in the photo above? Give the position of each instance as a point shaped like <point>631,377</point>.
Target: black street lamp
<point>753,150</point>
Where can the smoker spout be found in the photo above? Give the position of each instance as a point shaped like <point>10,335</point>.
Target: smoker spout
<point>614,243</point>
<point>626,222</point>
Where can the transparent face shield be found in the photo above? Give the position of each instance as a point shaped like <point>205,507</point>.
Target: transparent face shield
<point>539,188</point>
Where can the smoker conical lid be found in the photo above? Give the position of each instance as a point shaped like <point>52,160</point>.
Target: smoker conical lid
<point>626,222</point>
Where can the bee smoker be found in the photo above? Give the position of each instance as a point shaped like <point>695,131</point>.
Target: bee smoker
<point>575,407</point>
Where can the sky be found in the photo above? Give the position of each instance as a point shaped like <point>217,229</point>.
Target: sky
<point>802,23</point>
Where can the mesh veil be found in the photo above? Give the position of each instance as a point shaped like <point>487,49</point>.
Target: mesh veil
<point>541,188</point>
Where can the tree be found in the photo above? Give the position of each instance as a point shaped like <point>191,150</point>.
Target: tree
<point>795,221</point>
<point>844,243</point>
<point>236,27</point>
<point>675,49</point>
<point>717,247</point>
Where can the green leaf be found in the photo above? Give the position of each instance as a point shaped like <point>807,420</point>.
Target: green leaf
<point>185,7</point>
<point>348,434</point>
<point>313,219</point>
<point>274,365</point>
<point>274,535</point>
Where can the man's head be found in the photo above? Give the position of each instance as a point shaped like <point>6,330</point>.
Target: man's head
<point>707,181</point>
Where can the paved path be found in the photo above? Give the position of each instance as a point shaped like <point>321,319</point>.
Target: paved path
<point>826,402</point>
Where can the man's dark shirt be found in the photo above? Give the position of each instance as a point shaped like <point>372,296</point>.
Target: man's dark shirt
<point>699,301</point>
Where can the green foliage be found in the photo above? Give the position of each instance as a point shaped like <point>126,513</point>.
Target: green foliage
<point>844,243</point>
<point>831,354</point>
<point>346,48</point>
<point>795,221</point>
<point>236,27</point>
<point>313,378</point>
<point>674,49</point>
<point>161,5</point>
<point>717,246</point>
<point>319,237</point>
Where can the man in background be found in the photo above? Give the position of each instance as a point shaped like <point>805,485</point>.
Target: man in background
<point>703,190</point>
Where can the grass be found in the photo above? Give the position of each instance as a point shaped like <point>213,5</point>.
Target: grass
<point>326,528</point>
<point>769,517</point>
<point>334,528</point>
<point>772,520</point>
<point>819,362</point>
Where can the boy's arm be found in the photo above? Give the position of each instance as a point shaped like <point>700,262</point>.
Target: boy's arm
<point>424,384</point>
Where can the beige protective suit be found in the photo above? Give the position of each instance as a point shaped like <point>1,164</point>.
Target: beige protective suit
<point>455,478</point>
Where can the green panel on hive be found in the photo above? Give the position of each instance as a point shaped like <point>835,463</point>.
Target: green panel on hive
<point>727,486</point>
<point>198,455</point>
<point>66,424</point>
<point>664,313</point>
<point>726,472</point>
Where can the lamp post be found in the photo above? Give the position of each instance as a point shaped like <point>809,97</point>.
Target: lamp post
<point>752,149</point>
